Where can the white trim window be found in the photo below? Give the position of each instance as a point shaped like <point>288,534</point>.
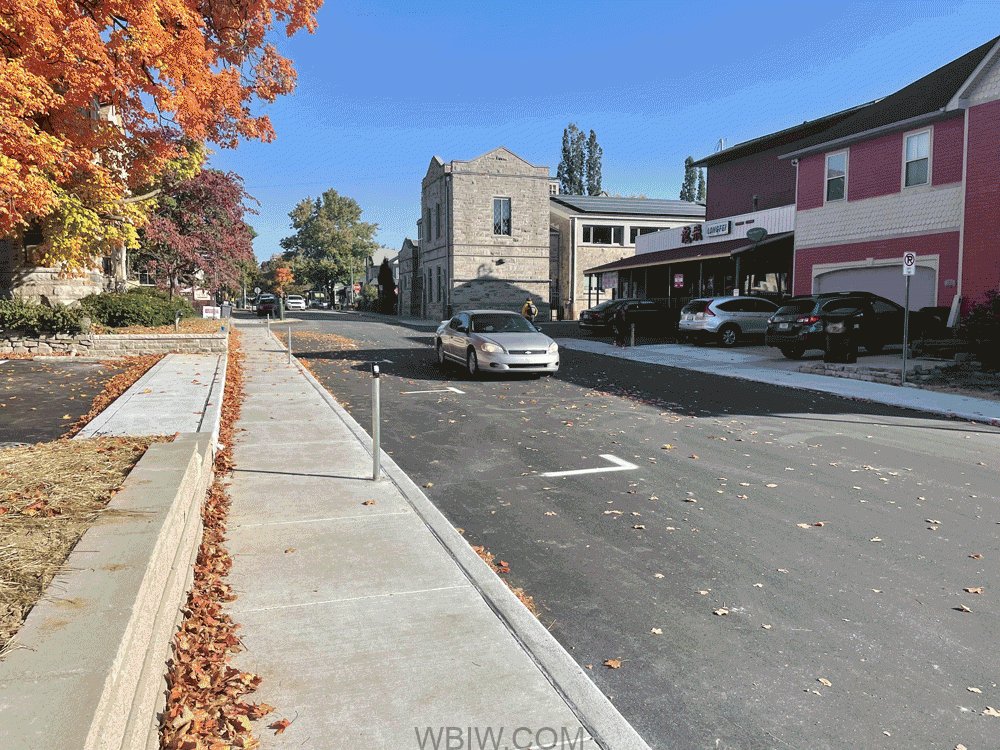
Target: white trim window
<point>501,216</point>
<point>836,176</point>
<point>917,159</point>
<point>596,234</point>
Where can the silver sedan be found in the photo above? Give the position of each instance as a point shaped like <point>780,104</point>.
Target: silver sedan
<point>495,341</point>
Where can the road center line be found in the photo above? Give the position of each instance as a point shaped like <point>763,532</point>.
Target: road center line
<point>620,465</point>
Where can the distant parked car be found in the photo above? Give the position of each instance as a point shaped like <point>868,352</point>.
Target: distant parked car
<point>267,304</point>
<point>649,315</point>
<point>319,304</point>
<point>727,320</point>
<point>801,323</point>
<point>295,302</point>
<point>495,341</point>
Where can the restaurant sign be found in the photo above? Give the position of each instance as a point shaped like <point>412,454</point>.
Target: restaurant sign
<point>718,228</point>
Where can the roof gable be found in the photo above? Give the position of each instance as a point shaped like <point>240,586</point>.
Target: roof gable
<point>501,152</point>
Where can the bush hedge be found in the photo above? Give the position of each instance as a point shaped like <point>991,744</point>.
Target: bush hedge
<point>23,316</point>
<point>141,306</point>
<point>982,328</point>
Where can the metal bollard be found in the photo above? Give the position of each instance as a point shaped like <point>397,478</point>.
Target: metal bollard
<point>289,345</point>
<point>269,324</point>
<point>376,419</point>
<point>177,320</point>
<point>633,335</point>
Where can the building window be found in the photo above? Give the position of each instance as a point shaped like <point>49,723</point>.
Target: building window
<point>637,231</point>
<point>437,220</point>
<point>146,279</point>
<point>836,176</point>
<point>918,149</point>
<point>428,224</point>
<point>501,216</point>
<point>439,283</point>
<point>598,235</point>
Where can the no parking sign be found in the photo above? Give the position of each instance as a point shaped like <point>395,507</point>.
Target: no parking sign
<point>909,264</point>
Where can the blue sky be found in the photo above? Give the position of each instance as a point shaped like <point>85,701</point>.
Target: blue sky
<point>384,86</point>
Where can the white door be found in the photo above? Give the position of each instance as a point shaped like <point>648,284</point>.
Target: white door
<point>887,281</point>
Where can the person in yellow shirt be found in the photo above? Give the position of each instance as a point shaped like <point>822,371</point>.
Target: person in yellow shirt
<point>529,310</point>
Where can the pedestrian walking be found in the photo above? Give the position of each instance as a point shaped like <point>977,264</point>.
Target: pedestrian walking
<point>529,310</point>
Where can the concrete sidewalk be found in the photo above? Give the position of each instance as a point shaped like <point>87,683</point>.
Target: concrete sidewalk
<point>750,364</point>
<point>371,620</point>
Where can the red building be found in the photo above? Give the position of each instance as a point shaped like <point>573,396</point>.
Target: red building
<point>916,171</point>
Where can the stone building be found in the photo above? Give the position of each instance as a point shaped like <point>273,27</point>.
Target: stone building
<point>484,237</point>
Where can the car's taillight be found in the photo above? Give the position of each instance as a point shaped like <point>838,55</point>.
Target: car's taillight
<point>708,310</point>
<point>807,319</point>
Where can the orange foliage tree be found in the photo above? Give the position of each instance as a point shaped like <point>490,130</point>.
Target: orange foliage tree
<point>94,92</point>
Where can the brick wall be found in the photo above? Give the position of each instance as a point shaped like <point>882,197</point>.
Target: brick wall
<point>981,264</point>
<point>811,185</point>
<point>875,167</point>
<point>947,156</point>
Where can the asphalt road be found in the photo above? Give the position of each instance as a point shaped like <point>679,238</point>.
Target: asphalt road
<point>781,569</point>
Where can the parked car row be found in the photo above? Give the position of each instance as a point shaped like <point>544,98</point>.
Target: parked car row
<point>803,323</point>
<point>795,326</point>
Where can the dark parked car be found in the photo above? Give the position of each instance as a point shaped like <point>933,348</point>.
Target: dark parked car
<point>649,315</point>
<point>267,304</point>
<point>801,322</point>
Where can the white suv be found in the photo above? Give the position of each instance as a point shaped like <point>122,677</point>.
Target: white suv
<point>295,302</point>
<point>725,319</point>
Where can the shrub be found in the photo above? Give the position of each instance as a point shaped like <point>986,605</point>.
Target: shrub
<point>982,328</point>
<point>33,318</point>
<point>137,307</point>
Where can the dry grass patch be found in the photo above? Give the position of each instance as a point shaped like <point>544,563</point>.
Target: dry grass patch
<point>50,494</point>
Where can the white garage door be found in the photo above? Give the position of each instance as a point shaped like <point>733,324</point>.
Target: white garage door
<point>887,281</point>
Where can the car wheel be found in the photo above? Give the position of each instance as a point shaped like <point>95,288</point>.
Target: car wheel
<point>472,363</point>
<point>729,335</point>
<point>874,347</point>
<point>793,352</point>
<point>440,351</point>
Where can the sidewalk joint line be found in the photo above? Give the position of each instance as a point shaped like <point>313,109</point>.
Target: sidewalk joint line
<point>329,518</point>
<point>355,599</point>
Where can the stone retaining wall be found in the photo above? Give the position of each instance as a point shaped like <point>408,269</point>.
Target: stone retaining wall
<point>86,671</point>
<point>114,345</point>
<point>915,374</point>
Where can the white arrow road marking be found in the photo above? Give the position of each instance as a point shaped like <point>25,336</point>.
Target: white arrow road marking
<point>439,390</point>
<point>620,465</point>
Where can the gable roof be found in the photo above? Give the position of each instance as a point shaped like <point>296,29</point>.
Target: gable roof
<point>781,138</point>
<point>932,97</point>
<point>603,204</point>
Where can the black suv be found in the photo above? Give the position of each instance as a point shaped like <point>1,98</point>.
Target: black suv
<point>649,315</point>
<point>801,322</point>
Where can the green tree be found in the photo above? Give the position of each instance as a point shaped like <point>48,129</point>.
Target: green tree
<point>594,153</point>
<point>331,242</point>
<point>702,191</point>
<point>690,181</point>
<point>572,166</point>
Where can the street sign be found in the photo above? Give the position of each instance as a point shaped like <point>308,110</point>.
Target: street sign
<point>909,264</point>
<point>357,287</point>
<point>256,290</point>
<point>678,281</point>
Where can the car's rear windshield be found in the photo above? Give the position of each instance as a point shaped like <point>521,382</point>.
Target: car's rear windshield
<point>695,305</point>
<point>500,323</point>
<point>797,307</point>
<point>603,305</point>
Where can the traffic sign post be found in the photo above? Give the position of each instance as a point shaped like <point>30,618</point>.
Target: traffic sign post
<point>909,270</point>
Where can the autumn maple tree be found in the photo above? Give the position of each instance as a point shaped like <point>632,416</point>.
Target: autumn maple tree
<point>196,233</point>
<point>92,93</point>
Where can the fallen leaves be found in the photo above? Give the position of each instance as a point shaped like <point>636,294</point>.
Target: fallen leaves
<point>974,590</point>
<point>613,663</point>
<point>721,612</point>
<point>990,711</point>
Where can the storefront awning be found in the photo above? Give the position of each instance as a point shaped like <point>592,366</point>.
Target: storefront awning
<point>766,241</point>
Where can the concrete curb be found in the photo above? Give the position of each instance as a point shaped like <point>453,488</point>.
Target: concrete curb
<point>87,668</point>
<point>595,712</point>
